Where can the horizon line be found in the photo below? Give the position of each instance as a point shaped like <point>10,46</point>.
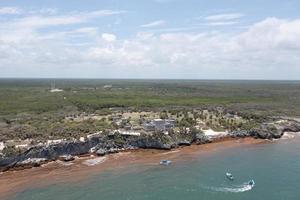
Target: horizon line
<point>187,79</point>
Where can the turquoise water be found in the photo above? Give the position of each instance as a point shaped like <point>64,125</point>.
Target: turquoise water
<point>275,167</point>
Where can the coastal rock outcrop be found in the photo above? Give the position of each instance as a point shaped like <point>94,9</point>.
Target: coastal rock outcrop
<point>274,131</point>
<point>30,162</point>
<point>105,144</point>
<point>149,142</point>
<point>291,127</point>
<point>202,139</point>
<point>239,134</point>
<point>266,131</point>
<point>49,152</point>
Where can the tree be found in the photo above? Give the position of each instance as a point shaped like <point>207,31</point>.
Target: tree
<point>163,115</point>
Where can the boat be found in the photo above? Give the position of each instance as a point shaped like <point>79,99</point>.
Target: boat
<point>251,183</point>
<point>165,162</point>
<point>229,176</point>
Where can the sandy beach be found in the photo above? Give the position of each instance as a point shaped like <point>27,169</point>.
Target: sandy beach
<point>12,182</point>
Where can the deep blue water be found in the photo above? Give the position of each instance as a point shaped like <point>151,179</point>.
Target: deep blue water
<point>275,167</point>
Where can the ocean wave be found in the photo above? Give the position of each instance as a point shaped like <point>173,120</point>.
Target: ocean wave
<point>235,189</point>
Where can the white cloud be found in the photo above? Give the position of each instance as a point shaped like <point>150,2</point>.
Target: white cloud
<point>25,27</point>
<point>48,11</point>
<point>87,30</point>
<point>10,10</point>
<point>221,23</point>
<point>103,13</point>
<point>154,24</point>
<point>74,18</point>
<point>108,37</point>
<point>224,17</point>
<point>42,21</point>
<point>267,49</point>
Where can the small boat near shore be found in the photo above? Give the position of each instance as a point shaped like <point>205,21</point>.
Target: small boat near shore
<point>165,162</point>
<point>229,176</point>
<point>251,183</point>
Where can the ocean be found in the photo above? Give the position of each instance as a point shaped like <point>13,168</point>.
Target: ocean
<point>274,166</point>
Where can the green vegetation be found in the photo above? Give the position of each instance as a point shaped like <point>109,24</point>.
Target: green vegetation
<point>29,110</point>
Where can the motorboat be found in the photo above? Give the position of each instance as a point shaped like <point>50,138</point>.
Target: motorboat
<point>229,176</point>
<point>165,162</point>
<point>251,183</point>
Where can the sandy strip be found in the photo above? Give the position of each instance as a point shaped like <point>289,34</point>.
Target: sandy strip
<point>84,167</point>
<point>213,134</point>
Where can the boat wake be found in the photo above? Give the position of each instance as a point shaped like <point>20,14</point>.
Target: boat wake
<point>235,189</point>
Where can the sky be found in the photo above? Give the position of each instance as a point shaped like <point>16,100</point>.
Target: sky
<point>151,39</point>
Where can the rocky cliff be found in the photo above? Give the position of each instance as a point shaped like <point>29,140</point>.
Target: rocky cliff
<point>105,144</point>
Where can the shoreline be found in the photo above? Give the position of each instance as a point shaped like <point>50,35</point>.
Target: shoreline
<point>56,172</point>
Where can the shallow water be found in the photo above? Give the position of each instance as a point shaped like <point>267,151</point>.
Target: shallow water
<point>275,168</point>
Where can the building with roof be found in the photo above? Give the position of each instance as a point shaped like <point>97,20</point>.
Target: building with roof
<point>159,125</point>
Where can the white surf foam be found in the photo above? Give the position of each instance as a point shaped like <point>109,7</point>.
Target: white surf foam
<point>235,189</point>
<point>95,161</point>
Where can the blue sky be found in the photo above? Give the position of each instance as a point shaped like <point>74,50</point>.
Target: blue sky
<point>190,39</point>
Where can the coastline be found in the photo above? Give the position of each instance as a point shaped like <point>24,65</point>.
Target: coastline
<point>55,172</point>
